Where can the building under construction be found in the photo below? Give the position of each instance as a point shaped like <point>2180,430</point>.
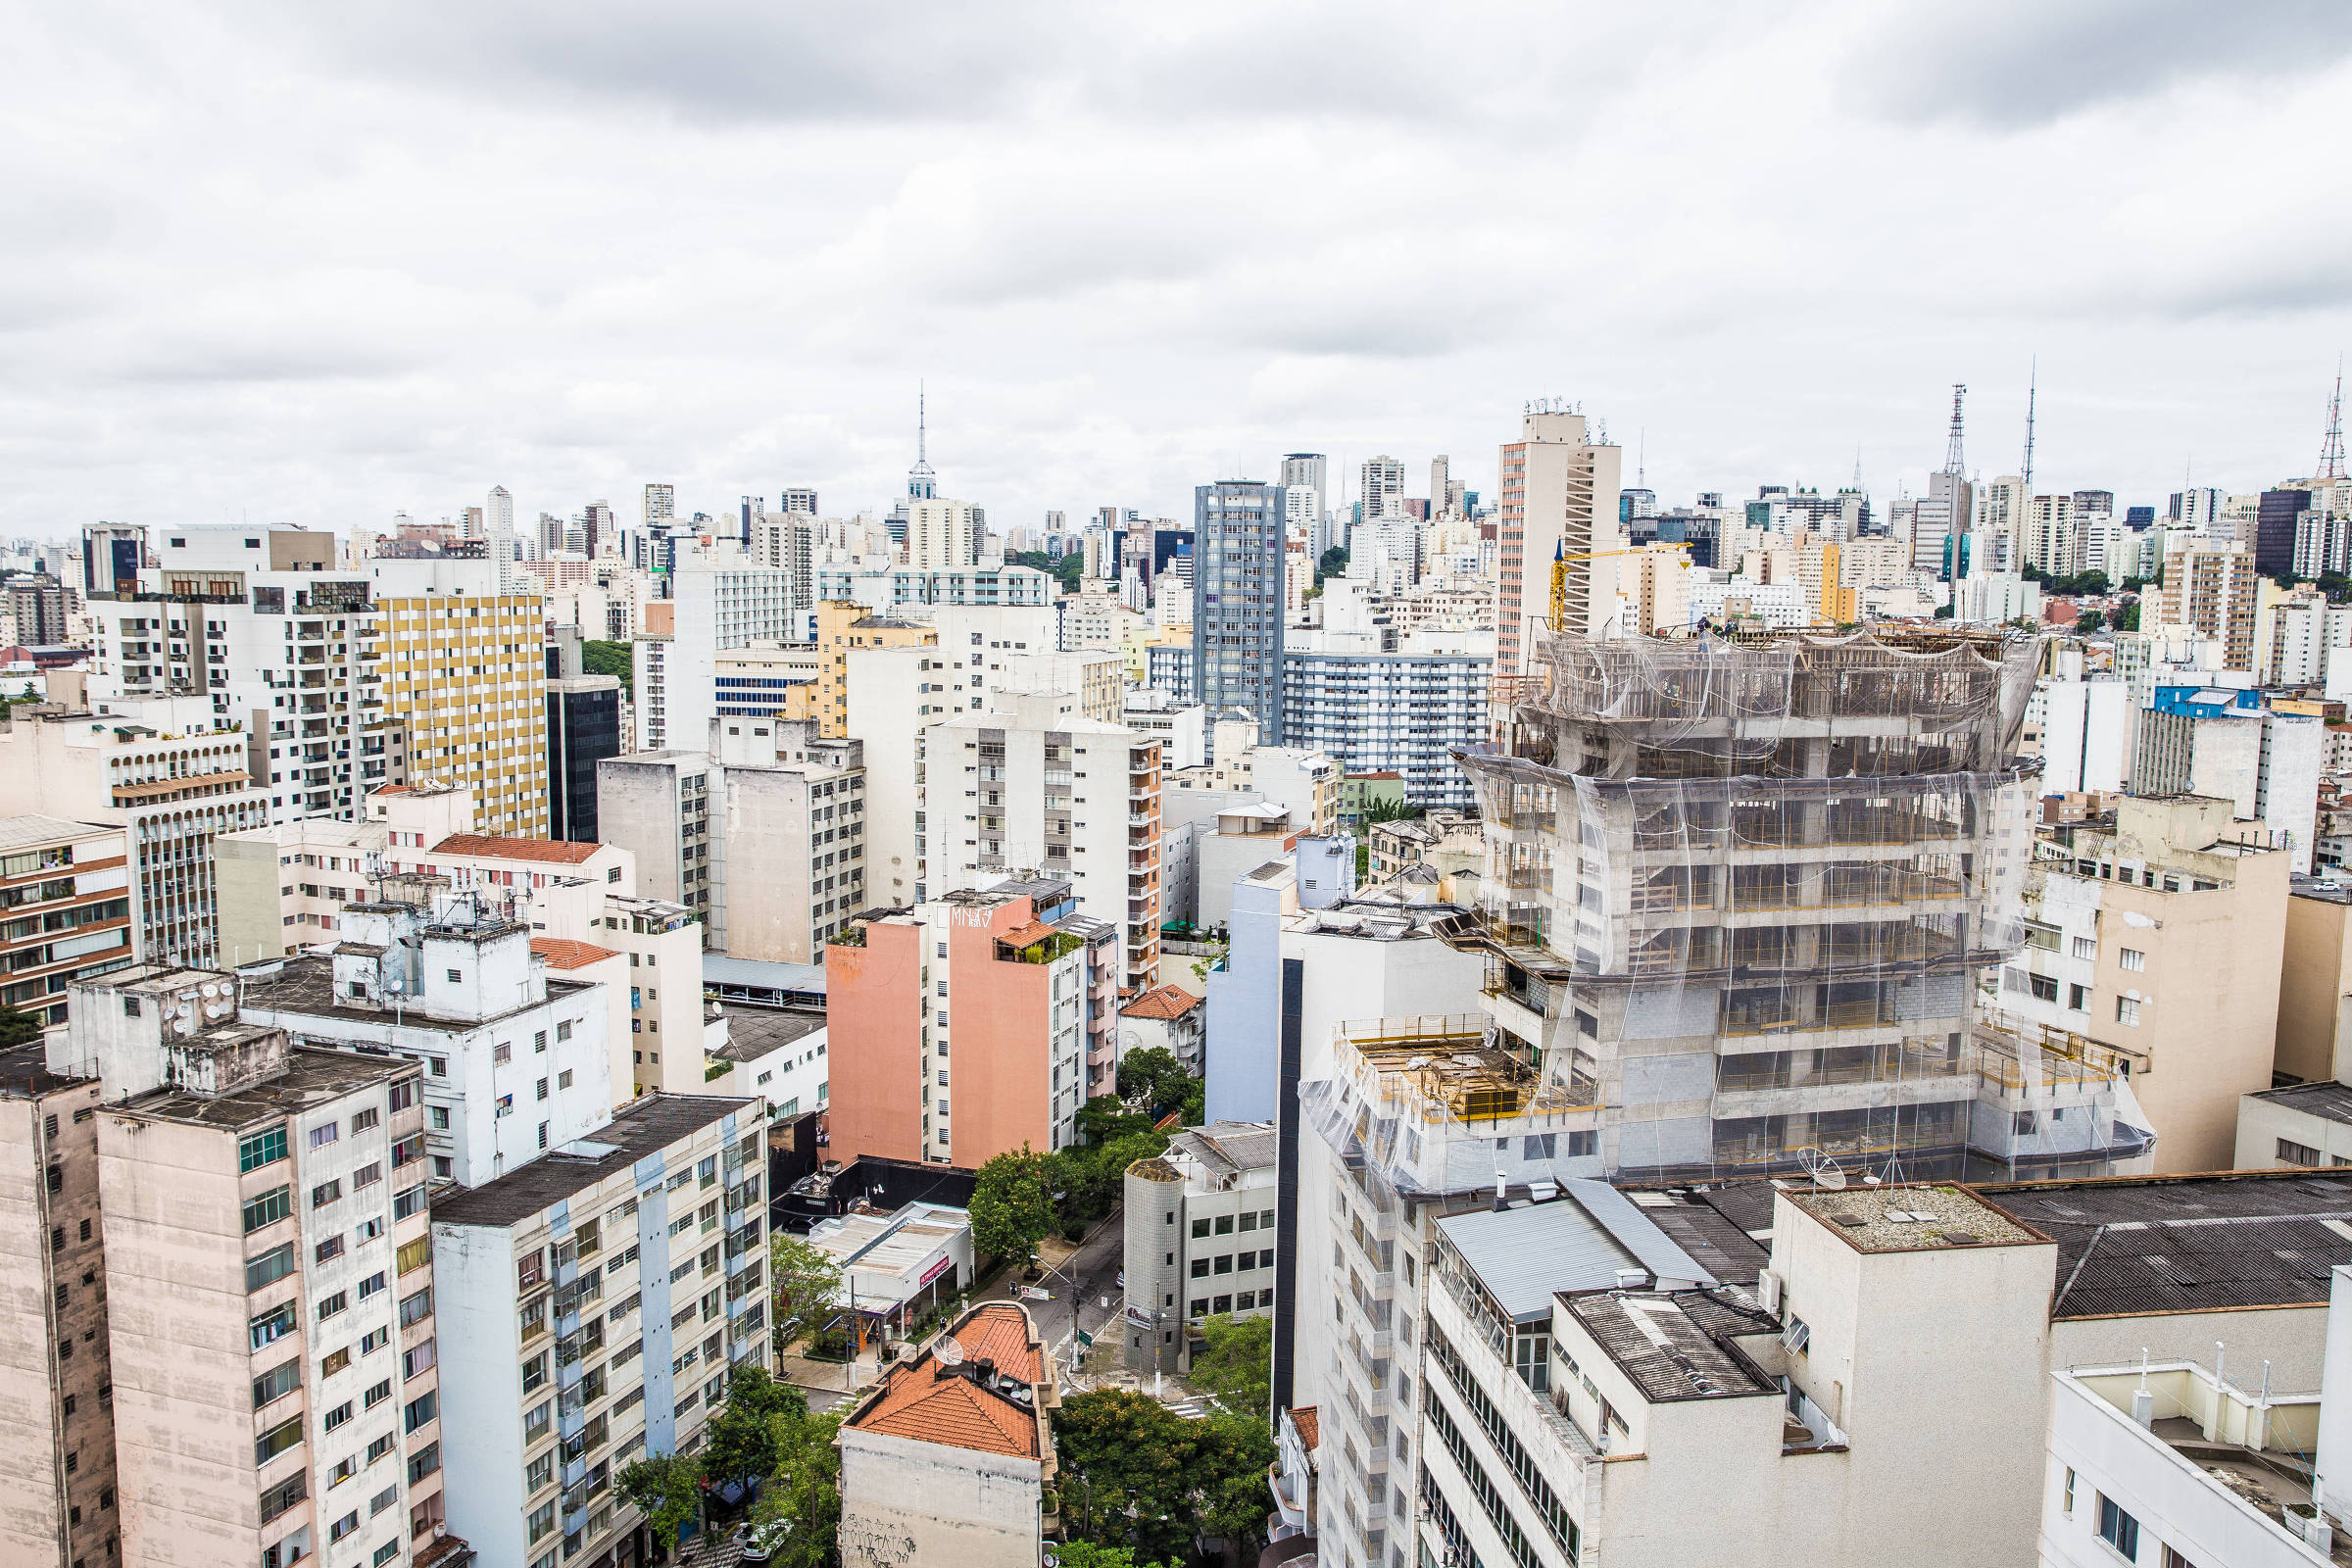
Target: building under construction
<point>1740,895</point>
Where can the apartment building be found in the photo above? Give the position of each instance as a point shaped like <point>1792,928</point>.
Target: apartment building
<point>2153,946</point>
<point>970,1025</point>
<point>2314,982</point>
<point>1200,1238</point>
<point>283,887</point>
<point>1238,591</point>
<point>2209,587</point>
<point>2223,742</point>
<point>58,1490</point>
<point>583,728</point>
<point>953,1461</point>
<point>1044,790</point>
<point>844,625</point>
<point>268,1281</point>
<point>169,794</point>
<point>515,1059</point>
<point>1165,1018</point>
<point>259,627</point>
<point>65,888</point>
<point>1405,712</point>
<point>767,680</point>
<point>764,834</point>
<point>596,1300</point>
<point>464,671</point>
<point>898,588</point>
<point>1555,500</point>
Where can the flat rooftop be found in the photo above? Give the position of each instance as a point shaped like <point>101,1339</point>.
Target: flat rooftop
<point>1676,1345</point>
<point>24,1072</point>
<point>2130,1246</point>
<point>759,975</point>
<point>1229,1147</point>
<point>307,986</point>
<point>312,1076</point>
<point>1576,1242</point>
<point>20,832</point>
<point>2328,1100</point>
<point>1912,1220</point>
<point>756,1032</point>
<point>644,1128</point>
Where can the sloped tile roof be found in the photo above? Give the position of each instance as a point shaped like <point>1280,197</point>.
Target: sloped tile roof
<point>1166,1002</point>
<point>563,953</point>
<point>493,848</point>
<point>934,1403</point>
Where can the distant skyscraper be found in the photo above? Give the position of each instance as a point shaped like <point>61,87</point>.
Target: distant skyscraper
<point>798,500</point>
<point>1305,505</point>
<point>598,529</point>
<point>942,535</point>
<point>661,502</point>
<point>1441,479</point>
<point>498,526</point>
<point>2197,509</point>
<point>1384,488</point>
<point>1555,500</point>
<point>1238,542</point>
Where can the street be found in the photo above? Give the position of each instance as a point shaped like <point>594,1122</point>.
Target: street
<point>1087,1279</point>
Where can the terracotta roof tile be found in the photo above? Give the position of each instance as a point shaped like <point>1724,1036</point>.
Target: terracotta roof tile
<point>492,848</point>
<point>1035,931</point>
<point>563,953</point>
<point>1166,1002</point>
<point>932,1404</point>
<point>1309,1425</point>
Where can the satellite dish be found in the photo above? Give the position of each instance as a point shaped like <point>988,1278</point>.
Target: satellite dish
<point>1823,1167</point>
<point>948,1353</point>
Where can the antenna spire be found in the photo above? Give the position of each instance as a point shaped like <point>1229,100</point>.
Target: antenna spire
<point>1857,466</point>
<point>1952,464</point>
<point>2032,379</point>
<point>921,483</point>
<point>2331,449</point>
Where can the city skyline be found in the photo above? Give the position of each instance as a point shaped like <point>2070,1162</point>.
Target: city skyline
<point>285,266</point>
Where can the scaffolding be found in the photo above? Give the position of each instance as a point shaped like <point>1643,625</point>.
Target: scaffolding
<point>1748,885</point>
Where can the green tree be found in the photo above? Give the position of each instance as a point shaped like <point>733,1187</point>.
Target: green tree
<point>1392,812</point>
<point>805,1280</point>
<point>668,1490</point>
<point>743,1439</point>
<point>1333,562</point>
<point>2128,617</point>
<point>1137,1475</point>
<point>1155,1073</point>
<point>2090,621</point>
<point>799,1514</point>
<point>18,1028</point>
<point>1235,1361</point>
<point>1105,1119</point>
<point>1012,1205</point>
<point>1233,1454</point>
<point>610,659</point>
<point>1086,1554</point>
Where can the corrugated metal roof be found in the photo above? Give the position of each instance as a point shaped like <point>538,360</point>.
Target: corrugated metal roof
<point>1575,1242</point>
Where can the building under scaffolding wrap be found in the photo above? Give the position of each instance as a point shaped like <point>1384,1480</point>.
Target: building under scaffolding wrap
<point>1748,889</point>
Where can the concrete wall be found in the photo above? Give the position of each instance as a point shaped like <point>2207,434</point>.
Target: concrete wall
<point>2312,988</point>
<point>481,1368</point>
<point>1004,1036</point>
<point>909,1504</point>
<point>875,1003</point>
<point>246,877</point>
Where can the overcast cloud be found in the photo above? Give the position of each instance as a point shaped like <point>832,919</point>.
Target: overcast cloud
<point>304,262</point>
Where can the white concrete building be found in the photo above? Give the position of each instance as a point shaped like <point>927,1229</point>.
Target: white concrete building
<point>595,1299</point>
<point>2086,734</point>
<point>721,601</point>
<point>1200,1238</point>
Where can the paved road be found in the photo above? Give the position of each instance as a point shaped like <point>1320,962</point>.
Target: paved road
<point>1088,1279</point>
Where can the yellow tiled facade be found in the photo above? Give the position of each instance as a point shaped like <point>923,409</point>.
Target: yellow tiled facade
<point>468,676</point>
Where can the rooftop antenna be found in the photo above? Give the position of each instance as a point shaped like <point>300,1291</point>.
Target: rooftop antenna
<point>1641,453</point>
<point>1952,464</point>
<point>2032,379</point>
<point>2331,449</point>
<point>1857,466</point>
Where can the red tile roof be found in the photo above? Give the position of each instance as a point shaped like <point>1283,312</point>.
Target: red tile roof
<point>492,848</point>
<point>1166,1002</point>
<point>1309,1425</point>
<point>563,954</point>
<point>933,1403</point>
<point>1034,932</point>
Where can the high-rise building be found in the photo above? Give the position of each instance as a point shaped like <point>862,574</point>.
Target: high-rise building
<point>36,610</point>
<point>942,535</point>
<point>605,1292</point>
<point>465,672</point>
<point>268,1281</point>
<point>1238,564</point>
<point>2277,523</point>
<point>1027,816</point>
<point>1556,505</point>
<point>2196,507</point>
<point>661,502</point>
<point>969,1026</point>
<point>169,795</point>
<point>2211,588</point>
<point>1305,507</point>
<point>69,890</point>
<point>583,728</point>
<point>498,528</point>
<point>788,542</point>
<point>796,498</point>
<point>721,600</point>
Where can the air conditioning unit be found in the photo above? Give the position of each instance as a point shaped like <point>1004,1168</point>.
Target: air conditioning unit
<point>1768,1289</point>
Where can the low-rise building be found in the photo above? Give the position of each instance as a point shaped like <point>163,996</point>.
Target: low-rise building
<point>595,1299</point>
<point>778,1053</point>
<point>1165,1018</point>
<point>1200,1238</point>
<point>897,1266</point>
<point>2302,1125</point>
<point>949,1460</point>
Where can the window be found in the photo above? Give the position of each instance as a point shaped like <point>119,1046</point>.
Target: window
<point>1200,1227</point>
<point>2038,935</point>
<point>2044,987</point>
<point>330,1305</point>
<point>534,1372</point>
<point>2172,1560</point>
<point>374,1341</point>
<point>1199,1268</point>
<point>273,1325</point>
<point>321,1137</point>
<point>456,977</point>
<point>378,1394</point>
<point>336,1417</point>
<point>402,1096</point>
<point>261,1149</point>
<point>411,1201</point>
<point>413,1255</point>
<point>333,1247</point>
<point>277,1440</point>
<point>564,1031</point>
<point>362,1121</point>
<point>279,1262</point>
<point>2292,1153</point>
<point>372,1284</point>
<point>420,1410</point>
<point>276,1382</point>
<point>2127,1010</point>
<point>423,1463</point>
<point>326,1192</point>
<point>366,1175</point>
<point>2132,958</point>
<point>2078,998</point>
<point>269,1208</point>
<point>542,1521</point>
<point>416,1358</point>
<point>2118,1530</point>
<point>564,1079</point>
<point>1224,1224</point>
<point>333,1362</point>
<point>2070,1491</point>
<point>534,1423</point>
<point>415,1309</point>
<point>2086,947</point>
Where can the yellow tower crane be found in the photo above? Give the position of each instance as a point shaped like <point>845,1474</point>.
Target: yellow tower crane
<point>1560,578</point>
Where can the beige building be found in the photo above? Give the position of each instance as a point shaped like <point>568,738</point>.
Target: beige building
<point>66,889</point>
<point>2315,983</point>
<point>2210,588</point>
<point>58,1497</point>
<point>269,1281</point>
<point>464,669</point>
<point>843,625</point>
<point>2155,942</point>
<point>170,793</point>
<point>1557,495</point>
<point>949,1462</point>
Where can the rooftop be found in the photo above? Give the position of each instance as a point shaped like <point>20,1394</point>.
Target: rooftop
<point>1309,1422</point>
<point>642,1128</point>
<point>754,1032</point>
<point>560,953</point>
<point>758,975</point>
<point>1717,1226</point>
<point>1676,1345</point>
<point>310,1077</point>
<point>2327,1100</point>
<point>485,845</point>
<point>1911,1219</point>
<point>932,1403</point>
<point>1229,1147</point>
<point>1164,1001</point>
<point>1526,1254</point>
<point>23,832</point>
<point>2130,1246</point>
<point>307,987</point>
<point>24,1072</point>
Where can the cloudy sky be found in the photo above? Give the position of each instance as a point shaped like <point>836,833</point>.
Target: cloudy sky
<point>305,262</point>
